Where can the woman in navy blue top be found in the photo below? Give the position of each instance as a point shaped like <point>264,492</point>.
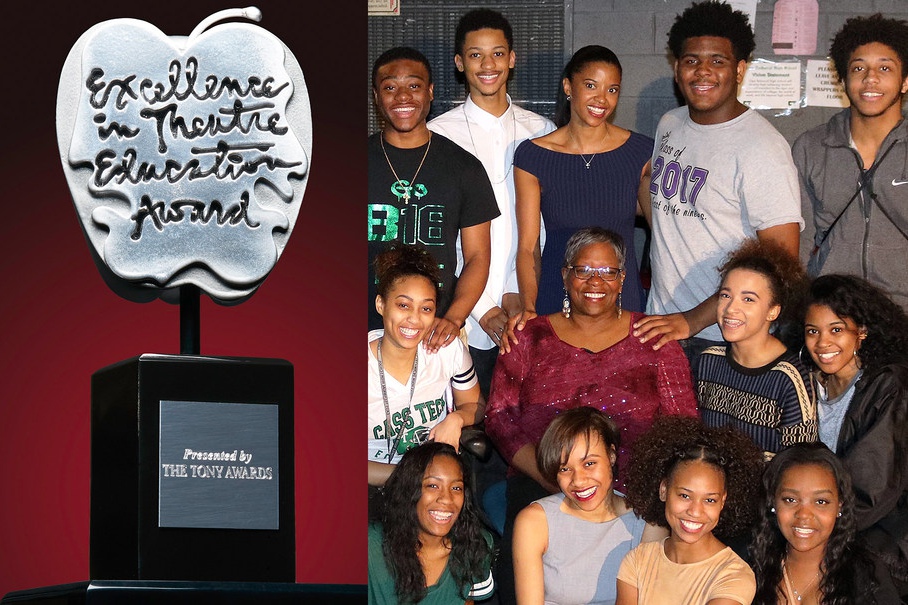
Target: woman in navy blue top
<point>586,173</point>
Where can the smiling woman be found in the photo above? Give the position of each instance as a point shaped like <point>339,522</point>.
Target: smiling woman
<point>694,480</point>
<point>567,546</point>
<point>754,382</point>
<point>806,547</point>
<point>429,546</point>
<point>414,396</point>
<point>583,356</point>
<point>587,172</point>
<point>855,335</point>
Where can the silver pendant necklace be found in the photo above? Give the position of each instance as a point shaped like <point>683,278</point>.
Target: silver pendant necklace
<point>407,187</point>
<point>790,586</point>
<point>587,162</point>
<point>513,140</point>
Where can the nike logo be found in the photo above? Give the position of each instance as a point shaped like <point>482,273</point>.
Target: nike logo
<point>896,183</point>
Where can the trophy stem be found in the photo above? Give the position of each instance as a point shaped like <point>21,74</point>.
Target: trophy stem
<point>190,320</point>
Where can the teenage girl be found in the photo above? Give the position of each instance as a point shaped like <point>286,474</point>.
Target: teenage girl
<point>805,550</point>
<point>697,482</point>
<point>568,546</point>
<point>429,547</point>
<point>856,336</point>
<point>755,383</point>
<point>414,396</point>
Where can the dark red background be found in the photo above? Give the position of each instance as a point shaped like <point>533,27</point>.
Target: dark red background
<point>59,322</point>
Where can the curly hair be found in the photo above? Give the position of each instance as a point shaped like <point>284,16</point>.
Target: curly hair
<point>403,260</point>
<point>675,439</point>
<point>859,31</point>
<point>869,307</point>
<point>713,18</point>
<point>786,277</point>
<point>566,430</point>
<point>400,527</point>
<point>842,555</point>
<point>592,53</point>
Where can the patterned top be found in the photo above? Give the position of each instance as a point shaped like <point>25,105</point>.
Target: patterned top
<point>543,375</point>
<point>774,405</point>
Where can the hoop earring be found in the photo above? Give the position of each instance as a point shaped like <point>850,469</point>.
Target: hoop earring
<point>801,356</point>
<point>566,306</point>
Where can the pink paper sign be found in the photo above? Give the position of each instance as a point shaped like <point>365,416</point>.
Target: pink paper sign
<point>794,27</point>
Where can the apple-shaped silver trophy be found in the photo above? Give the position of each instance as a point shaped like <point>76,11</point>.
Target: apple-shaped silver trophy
<point>187,158</point>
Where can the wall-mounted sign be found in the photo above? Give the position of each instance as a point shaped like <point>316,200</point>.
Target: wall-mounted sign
<point>794,27</point>
<point>384,8</point>
<point>771,85</point>
<point>823,86</point>
<point>749,8</point>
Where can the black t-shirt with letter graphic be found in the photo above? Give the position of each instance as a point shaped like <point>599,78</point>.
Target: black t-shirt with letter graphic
<point>451,192</point>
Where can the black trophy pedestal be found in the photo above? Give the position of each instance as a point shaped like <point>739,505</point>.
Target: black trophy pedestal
<point>101,592</point>
<point>191,473</point>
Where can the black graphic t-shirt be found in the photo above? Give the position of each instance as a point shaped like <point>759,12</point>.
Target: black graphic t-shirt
<point>451,192</point>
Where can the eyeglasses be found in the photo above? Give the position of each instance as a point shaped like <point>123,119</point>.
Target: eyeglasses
<point>605,273</point>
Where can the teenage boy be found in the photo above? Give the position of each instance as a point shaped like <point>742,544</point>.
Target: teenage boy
<point>424,189</point>
<point>720,173</point>
<point>854,168</point>
<point>490,127</point>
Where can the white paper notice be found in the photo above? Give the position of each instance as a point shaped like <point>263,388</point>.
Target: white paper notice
<point>771,85</point>
<point>794,27</point>
<point>749,8</point>
<point>823,86</point>
<point>379,8</point>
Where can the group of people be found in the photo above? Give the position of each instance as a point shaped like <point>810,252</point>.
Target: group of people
<point>635,428</point>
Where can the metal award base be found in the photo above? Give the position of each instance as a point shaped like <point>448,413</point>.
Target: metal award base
<point>192,470</point>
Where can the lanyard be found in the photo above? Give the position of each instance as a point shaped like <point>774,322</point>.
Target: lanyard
<point>384,395</point>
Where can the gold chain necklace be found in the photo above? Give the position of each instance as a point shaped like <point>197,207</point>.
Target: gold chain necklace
<point>407,186</point>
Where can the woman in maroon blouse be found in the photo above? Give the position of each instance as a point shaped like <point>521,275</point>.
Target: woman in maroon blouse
<point>583,356</point>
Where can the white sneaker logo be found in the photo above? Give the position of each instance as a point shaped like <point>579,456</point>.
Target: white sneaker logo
<point>896,183</point>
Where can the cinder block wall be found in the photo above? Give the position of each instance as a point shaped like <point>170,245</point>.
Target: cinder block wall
<point>637,30</point>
